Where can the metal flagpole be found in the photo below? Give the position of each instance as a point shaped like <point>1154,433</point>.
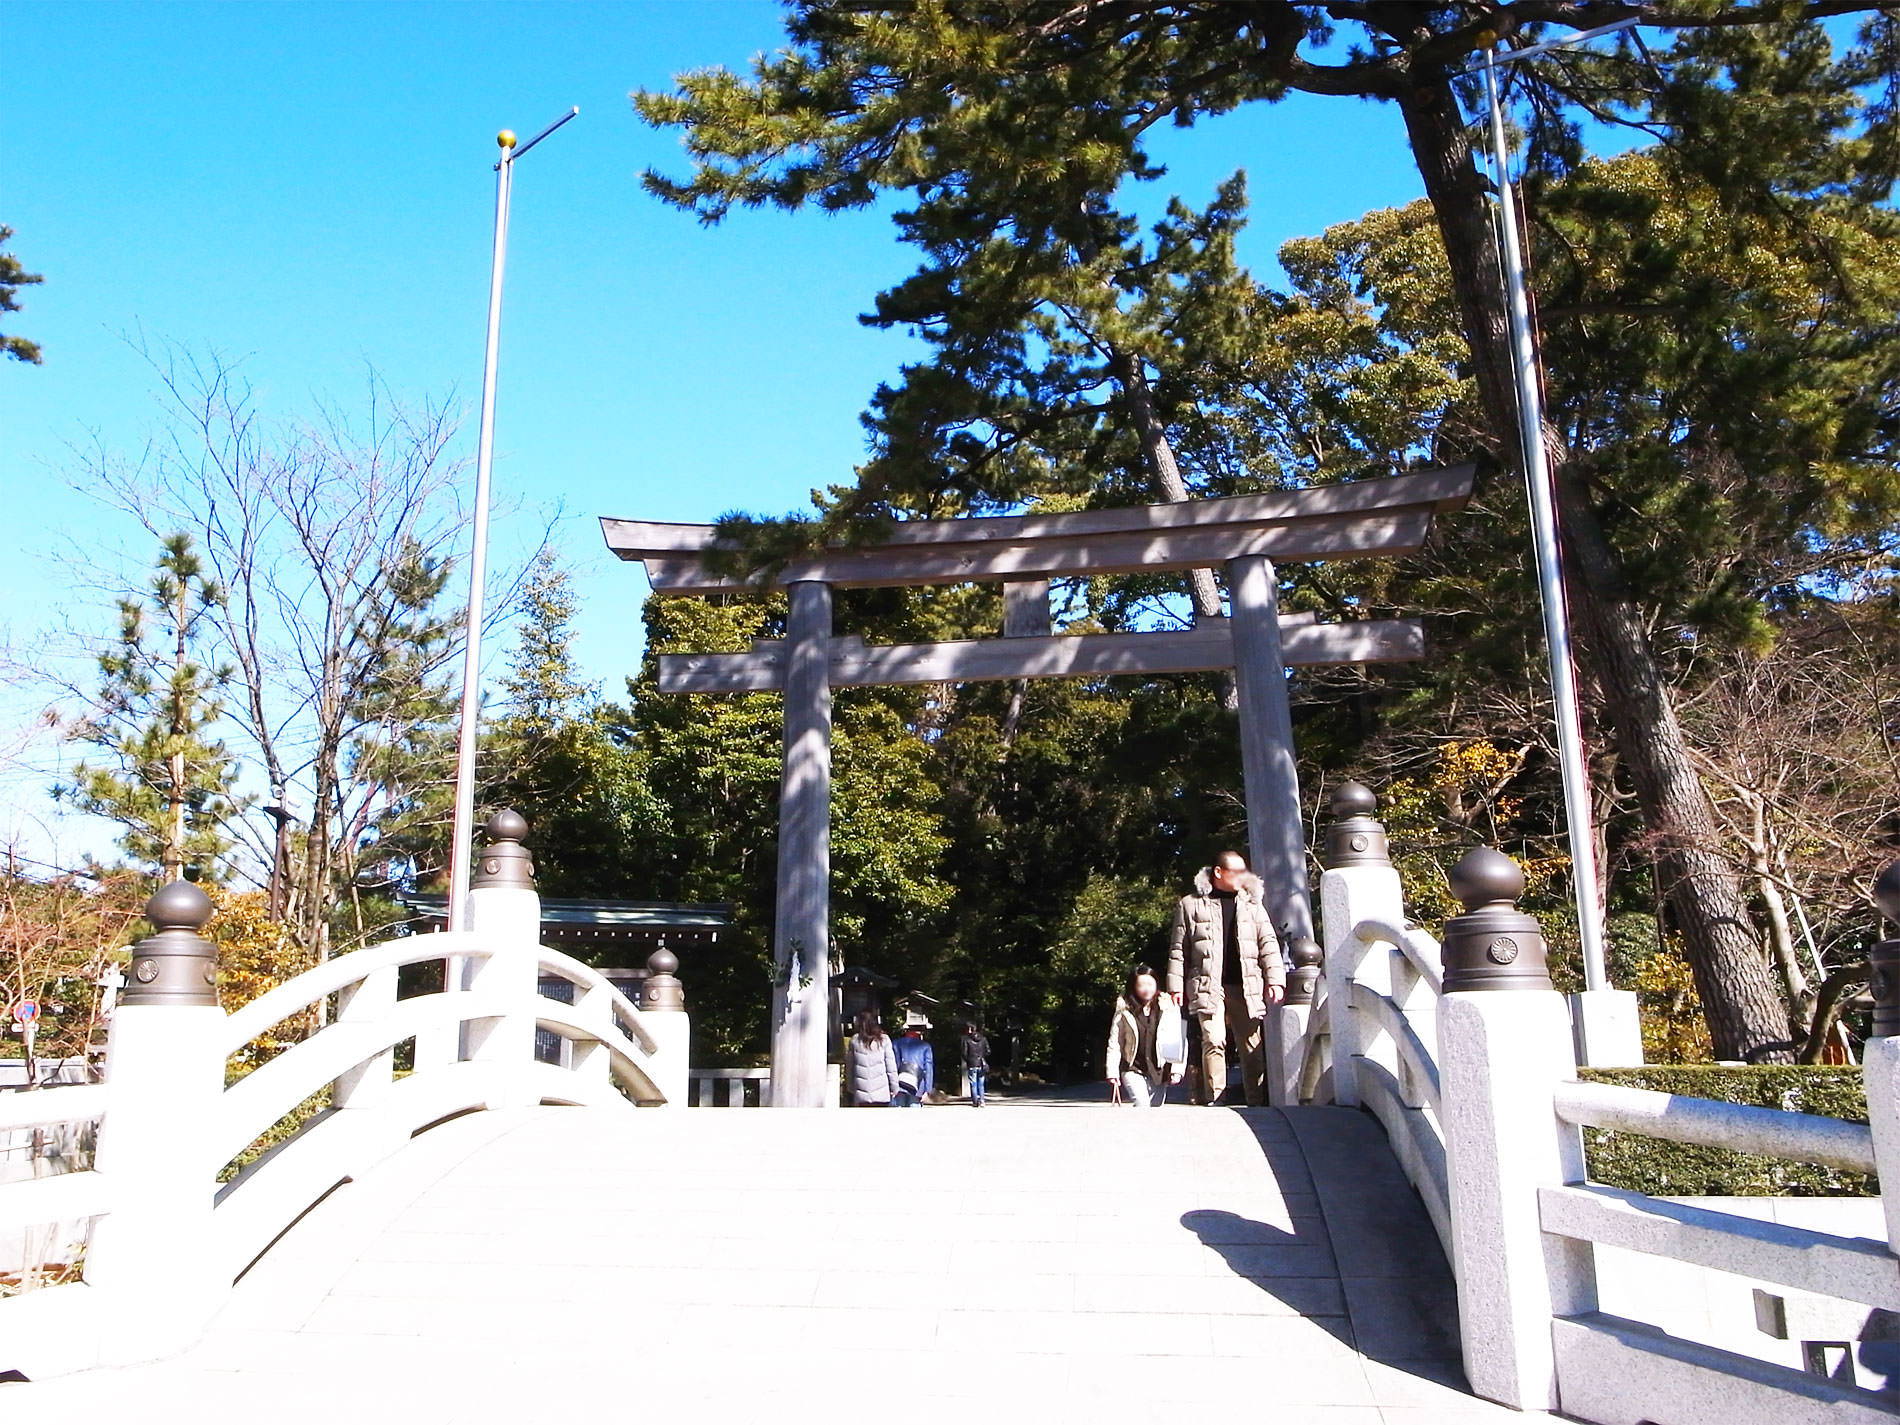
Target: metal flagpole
<point>1550,579</point>
<point>462,847</point>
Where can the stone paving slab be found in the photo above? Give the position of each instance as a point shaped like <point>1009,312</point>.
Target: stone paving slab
<point>699,1267</point>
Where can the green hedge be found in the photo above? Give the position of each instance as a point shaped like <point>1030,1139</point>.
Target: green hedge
<point>1662,1169</point>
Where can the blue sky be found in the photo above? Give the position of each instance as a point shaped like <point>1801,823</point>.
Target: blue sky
<point>308,187</point>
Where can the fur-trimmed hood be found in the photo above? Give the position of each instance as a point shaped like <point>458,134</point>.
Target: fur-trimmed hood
<point>1250,887</point>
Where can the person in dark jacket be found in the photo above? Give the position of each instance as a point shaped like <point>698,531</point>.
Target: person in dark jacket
<point>1225,969</point>
<point>976,1060</point>
<point>915,1054</point>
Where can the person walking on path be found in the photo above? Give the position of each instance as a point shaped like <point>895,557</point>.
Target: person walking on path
<point>873,1064</point>
<point>1135,1068</point>
<point>976,1060</point>
<point>1225,959</point>
<point>915,1054</point>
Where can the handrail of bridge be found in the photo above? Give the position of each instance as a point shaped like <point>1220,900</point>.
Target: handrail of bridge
<point>588,980</point>
<point>1709,1123</point>
<point>1479,1094</point>
<point>1371,1038</point>
<point>60,1103</point>
<point>167,1239</point>
<point>311,988</point>
<point>1386,994</point>
<point>59,1196</point>
<point>1418,946</point>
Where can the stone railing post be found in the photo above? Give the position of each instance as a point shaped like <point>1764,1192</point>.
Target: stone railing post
<point>663,1013</point>
<point>1288,1021</point>
<point>1501,1055</point>
<point>1357,884</point>
<point>151,1256</point>
<point>504,912</point>
<point>1880,1059</point>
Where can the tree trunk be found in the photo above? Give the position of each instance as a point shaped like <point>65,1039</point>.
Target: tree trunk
<point>1703,891</point>
<point>1702,888</point>
<point>1164,467</point>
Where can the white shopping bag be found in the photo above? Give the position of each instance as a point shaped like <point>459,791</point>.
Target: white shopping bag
<point>1171,1035</point>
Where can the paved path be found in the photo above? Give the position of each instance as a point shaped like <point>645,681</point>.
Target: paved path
<point>942,1265</point>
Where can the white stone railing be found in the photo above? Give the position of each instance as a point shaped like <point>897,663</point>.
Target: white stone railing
<point>726,1088</point>
<point>1602,1365</point>
<point>1478,1092</point>
<point>168,1239</point>
<point>1372,1039</point>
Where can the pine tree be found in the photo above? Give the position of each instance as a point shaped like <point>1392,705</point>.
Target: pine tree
<point>543,684</point>
<point>164,778</point>
<point>12,278</point>
<point>984,109</point>
<point>393,792</point>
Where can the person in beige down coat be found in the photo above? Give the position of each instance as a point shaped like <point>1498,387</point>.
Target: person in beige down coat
<point>1135,1066</point>
<point>1225,968</point>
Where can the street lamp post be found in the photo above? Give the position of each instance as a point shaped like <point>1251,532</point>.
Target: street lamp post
<point>462,847</point>
<point>1550,579</point>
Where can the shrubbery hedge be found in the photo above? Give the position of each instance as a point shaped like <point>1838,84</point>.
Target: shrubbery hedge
<point>1650,1165</point>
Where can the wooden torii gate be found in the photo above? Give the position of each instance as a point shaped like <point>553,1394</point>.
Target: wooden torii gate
<point>1244,533</point>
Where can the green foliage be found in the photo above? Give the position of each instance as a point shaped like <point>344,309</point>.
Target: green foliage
<point>166,780</point>
<point>1664,1169</point>
<point>1716,321</point>
<point>12,278</point>
<point>404,726</point>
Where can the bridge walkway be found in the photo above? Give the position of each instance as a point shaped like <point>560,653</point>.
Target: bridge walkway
<point>1015,1263</point>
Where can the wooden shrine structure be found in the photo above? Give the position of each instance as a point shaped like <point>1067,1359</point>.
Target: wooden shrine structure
<point>1244,534</point>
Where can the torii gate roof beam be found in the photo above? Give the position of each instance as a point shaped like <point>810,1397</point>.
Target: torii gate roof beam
<point>1354,520</point>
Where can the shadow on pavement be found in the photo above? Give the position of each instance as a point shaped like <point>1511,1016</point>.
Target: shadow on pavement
<point>1389,1291</point>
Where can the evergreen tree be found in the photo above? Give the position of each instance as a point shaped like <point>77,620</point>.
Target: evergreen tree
<point>165,779</point>
<point>543,686</point>
<point>394,798</point>
<point>1013,122</point>
<point>559,756</point>
<point>12,278</point>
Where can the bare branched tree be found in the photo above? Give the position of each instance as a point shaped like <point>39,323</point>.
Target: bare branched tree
<point>334,540</point>
<point>1801,748</point>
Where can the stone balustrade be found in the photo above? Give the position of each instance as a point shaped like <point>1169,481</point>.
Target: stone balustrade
<point>1478,1093</point>
<point>193,1179</point>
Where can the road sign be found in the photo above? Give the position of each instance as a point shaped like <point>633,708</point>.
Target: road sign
<point>25,1012</point>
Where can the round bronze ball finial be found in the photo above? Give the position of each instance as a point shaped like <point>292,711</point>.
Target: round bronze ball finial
<point>1353,799</point>
<point>505,139</point>
<point>179,906</point>
<point>1493,945</point>
<point>175,965</point>
<point>662,991</point>
<point>505,825</point>
<point>1303,969</point>
<point>502,860</point>
<point>1886,892</point>
<point>1485,876</point>
<point>1355,838</point>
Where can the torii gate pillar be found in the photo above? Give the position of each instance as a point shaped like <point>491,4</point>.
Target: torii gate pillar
<point>801,950</point>
<point>1276,831</point>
